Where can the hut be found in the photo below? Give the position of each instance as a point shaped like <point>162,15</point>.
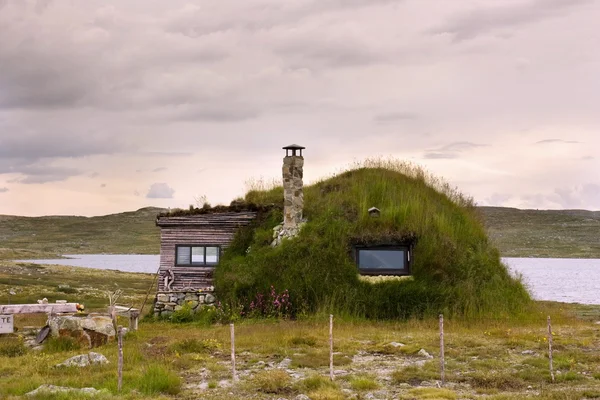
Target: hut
<point>193,241</point>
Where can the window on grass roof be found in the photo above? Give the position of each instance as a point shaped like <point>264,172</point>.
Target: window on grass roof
<point>383,260</point>
<point>197,255</point>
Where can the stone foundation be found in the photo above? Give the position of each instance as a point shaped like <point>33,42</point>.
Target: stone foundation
<point>166,303</point>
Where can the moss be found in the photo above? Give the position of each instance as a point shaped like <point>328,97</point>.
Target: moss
<point>455,269</point>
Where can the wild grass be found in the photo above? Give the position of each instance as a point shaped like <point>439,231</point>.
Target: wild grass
<point>362,383</point>
<point>273,381</point>
<point>455,269</point>
<point>157,379</point>
<point>494,366</point>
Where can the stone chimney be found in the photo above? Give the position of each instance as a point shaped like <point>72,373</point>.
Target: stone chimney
<point>293,196</point>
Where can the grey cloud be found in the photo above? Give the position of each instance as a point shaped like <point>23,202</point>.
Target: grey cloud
<point>394,117</point>
<point>588,158</point>
<point>461,146</point>
<point>94,175</point>
<point>191,20</point>
<point>44,145</point>
<point>33,155</point>
<point>440,156</point>
<point>159,169</point>
<point>584,196</point>
<point>160,191</point>
<point>44,173</point>
<point>216,113</point>
<point>498,199</point>
<point>485,20</point>
<point>3,189</point>
<point>317,52</point>
<point>451,150</point>
<point>547,141</point>
<point>164,154</point>
<point>103,185</point>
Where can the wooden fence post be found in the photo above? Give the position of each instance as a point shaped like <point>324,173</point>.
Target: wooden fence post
<point>233,372</point>
<point>442,361</point>
<point>120,362</point>
<point>331,347</point>
<point>550,348</point>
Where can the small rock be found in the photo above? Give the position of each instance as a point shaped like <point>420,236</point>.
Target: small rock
<point>83,360</point>
<point>209,299</point>
<point>224,383</point>
<point>340,372</point>
<point>527,352</point>
<point>529,387</point>
<point>285,363</point>
<point>302,397</point>
<point>44,389</point>
<point>424,353</point>
<point>163,298</point>
<point>396,344</point>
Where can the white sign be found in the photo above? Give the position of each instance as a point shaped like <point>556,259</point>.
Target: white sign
<point>6,324</point>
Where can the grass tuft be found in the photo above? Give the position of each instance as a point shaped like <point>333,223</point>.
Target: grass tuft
<point>363,383</point>
<point>158,379</point>
<point>272,381</point>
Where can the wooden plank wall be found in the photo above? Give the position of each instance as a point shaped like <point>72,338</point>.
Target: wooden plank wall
<point>205,229</point>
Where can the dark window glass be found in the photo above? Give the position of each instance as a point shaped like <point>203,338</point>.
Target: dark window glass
<point>183,255</point>
<point>197,255</point>
<point>375,261</point>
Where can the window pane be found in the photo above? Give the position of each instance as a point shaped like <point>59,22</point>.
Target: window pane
<point>197,255</point>
<point>382,259</point>
<point>183,255</point>
<point>212,255</point>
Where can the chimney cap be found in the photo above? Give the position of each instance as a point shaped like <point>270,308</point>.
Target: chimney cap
<point>294,147</point>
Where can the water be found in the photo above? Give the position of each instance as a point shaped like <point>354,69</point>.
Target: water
<point>572,280</point>
<point>122,262</point>
<point>554,279</point>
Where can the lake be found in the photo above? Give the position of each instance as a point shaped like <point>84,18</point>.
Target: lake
<point>555,279</point>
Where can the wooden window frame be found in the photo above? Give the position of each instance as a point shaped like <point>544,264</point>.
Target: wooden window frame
<point>203,264</point>
<point>388,271</point>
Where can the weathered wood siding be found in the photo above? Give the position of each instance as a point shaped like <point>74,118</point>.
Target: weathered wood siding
<point>205,229</point>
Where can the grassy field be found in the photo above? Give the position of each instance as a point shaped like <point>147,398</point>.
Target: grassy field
<point>487,359</point>
<point>539,233</point>
<point>34,237</point>
<point>516,233</point>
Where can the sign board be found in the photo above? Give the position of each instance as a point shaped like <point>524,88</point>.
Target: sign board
<point>6,324</point>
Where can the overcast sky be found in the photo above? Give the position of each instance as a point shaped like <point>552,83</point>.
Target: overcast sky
<point>112,105</point>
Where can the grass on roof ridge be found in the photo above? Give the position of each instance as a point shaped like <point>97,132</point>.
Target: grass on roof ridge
<point>455,268</point>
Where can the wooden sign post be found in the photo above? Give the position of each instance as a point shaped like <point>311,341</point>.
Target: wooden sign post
<point>7,324</point>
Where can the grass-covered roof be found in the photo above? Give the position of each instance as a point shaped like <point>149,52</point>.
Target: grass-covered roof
<point>455,269</point>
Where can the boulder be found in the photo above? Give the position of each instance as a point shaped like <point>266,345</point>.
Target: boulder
<point>163,298</point>
<point>83,360</point>
<point>424,353</point>
<point>91,331</point>
<point>209,299</point>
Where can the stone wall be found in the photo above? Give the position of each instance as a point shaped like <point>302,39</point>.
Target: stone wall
<point>293,195</point>
<point>168,302</point>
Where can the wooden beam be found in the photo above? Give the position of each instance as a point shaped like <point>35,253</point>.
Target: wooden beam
<point>38,308</point>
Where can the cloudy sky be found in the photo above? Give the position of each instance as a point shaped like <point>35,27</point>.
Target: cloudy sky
<point>112,105</point>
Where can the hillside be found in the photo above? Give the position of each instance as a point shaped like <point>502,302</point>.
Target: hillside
<point>123,233</point>
<point>544,233</point>
<point>516,233</point>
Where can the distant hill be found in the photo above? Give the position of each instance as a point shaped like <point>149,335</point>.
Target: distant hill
<point>544,233</point>
<point>131,232</point>
<point>517,233</point>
